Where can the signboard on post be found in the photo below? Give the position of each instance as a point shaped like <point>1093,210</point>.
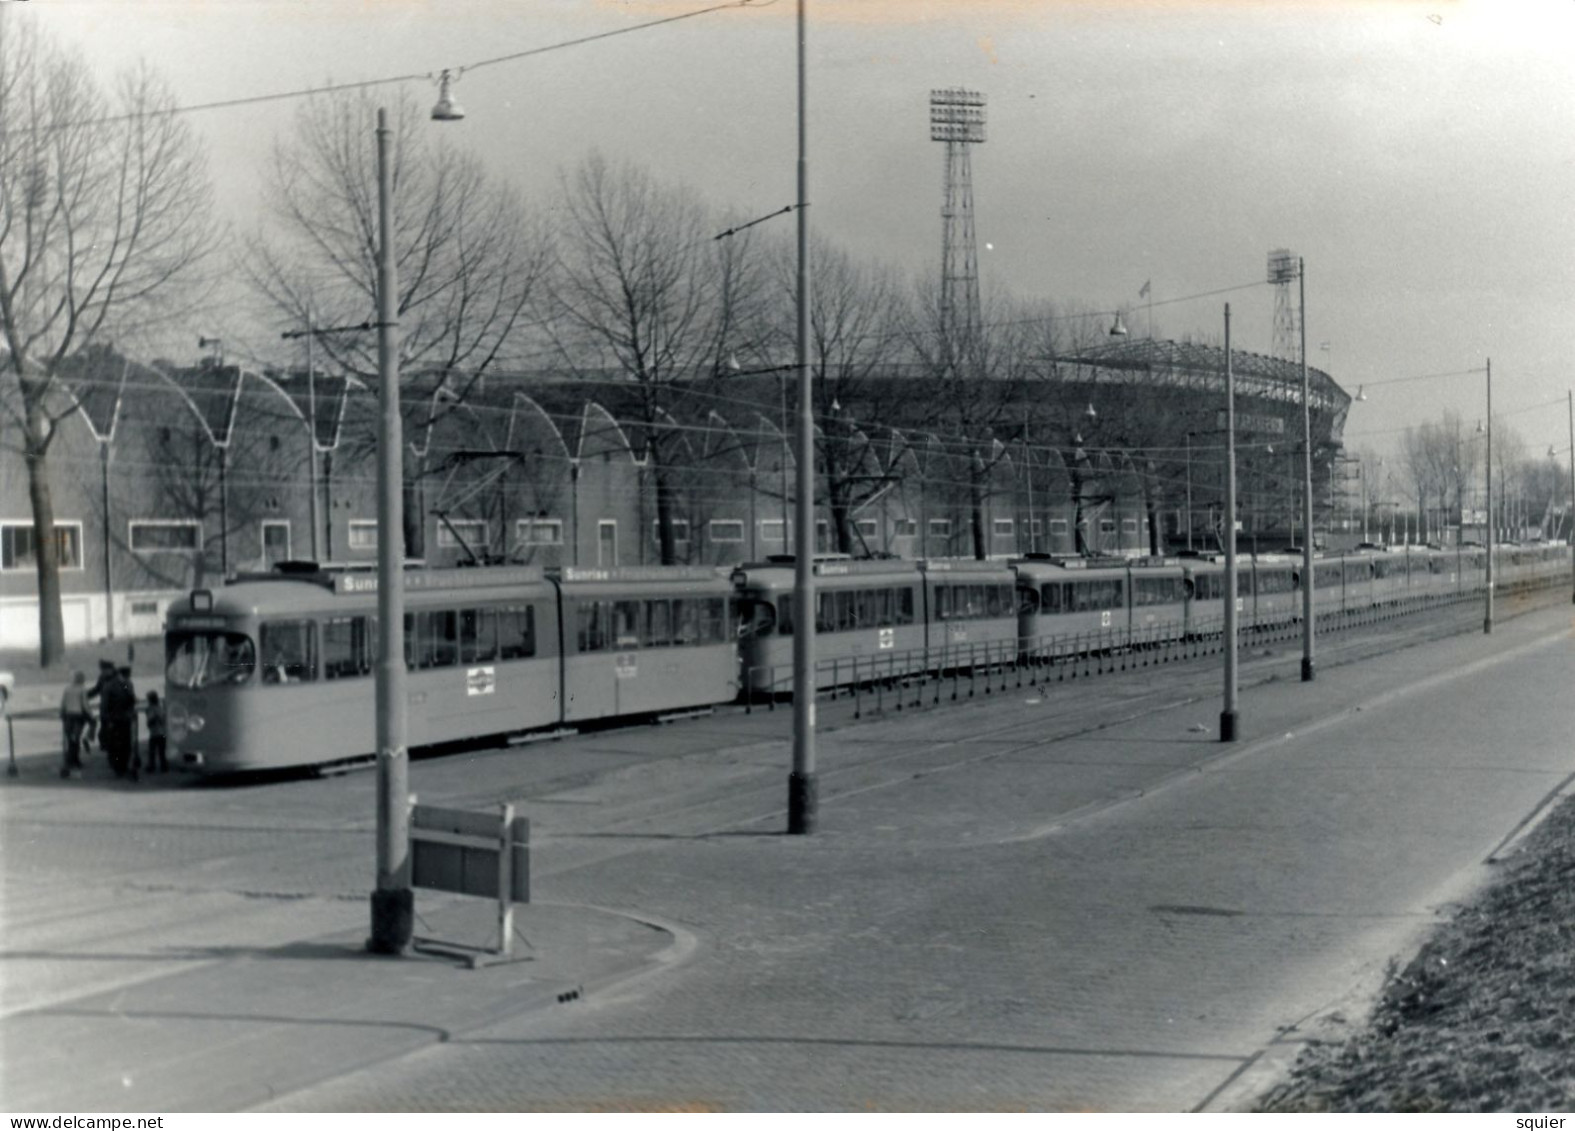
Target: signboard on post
<point>470,853</point>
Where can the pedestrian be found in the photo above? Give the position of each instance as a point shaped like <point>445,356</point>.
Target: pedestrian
<point>158,760</point>
<point>106,676</point>
<point>117,726</point>
<point>73,717</point>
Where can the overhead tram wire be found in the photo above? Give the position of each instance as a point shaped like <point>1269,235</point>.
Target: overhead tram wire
<point>419,76</point>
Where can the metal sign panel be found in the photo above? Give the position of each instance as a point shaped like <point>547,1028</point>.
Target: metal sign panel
<point>460,851</point>
<point>480,681</point>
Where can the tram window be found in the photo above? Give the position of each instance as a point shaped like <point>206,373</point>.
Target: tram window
<point>412,621</point>
<point>1050,598</point>
<point>686,622</point>
<point>593,624</point>
<point>626,624</point>
<point>478,636</point>
<point>347,650</point>
<point>517,632</point>
<point>905,606</point>
<point>758,618</point>
<point>785,616</point>
<point>992,600</point>
<point>438,644</point>
<point>289,653</point>
<point>1244,583</point>
<point>713,628</point>
<point>885,607</point>
<point>196,660</point>
<point>943,602</point>
<point>825,612</point>
<point>658,624</point>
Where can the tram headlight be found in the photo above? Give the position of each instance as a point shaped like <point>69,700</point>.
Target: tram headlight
<point>195,723</point>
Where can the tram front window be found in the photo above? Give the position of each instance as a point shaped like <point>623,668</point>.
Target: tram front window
<point>195,660</point>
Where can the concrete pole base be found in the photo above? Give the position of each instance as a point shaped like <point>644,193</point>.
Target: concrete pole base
<point>393,921</point>
<point>803,801</point>
<point>1487,627</point>
<point>1227,726</point>
<point>1309,673</point>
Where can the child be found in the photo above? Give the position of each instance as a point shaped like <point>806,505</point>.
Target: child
<point>158,761</point>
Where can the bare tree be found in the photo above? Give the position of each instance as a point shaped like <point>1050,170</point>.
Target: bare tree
<point>469,255</point>
<point>105,223</point>
<point>644,289</point>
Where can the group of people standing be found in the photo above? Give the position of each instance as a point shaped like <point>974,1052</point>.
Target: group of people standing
<point>115,727</point>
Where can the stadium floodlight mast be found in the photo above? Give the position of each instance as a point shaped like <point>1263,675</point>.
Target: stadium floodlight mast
<point>1283,267</point>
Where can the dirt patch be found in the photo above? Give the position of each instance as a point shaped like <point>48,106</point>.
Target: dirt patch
<point>1482,1019</point>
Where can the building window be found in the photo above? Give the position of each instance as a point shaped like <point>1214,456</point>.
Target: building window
<point>1058,526</point>
<point>940,528</point>
<point>867,527</point>
<point>680,530</point>
<point>472,530</point>
<point>771,530</point>
<point>727,530</point>
<point>539,532</point>
<point>1036,527</point>
<point>165,536</point>
<point>275,541</point>
<point>19,549</point>
<point>1107,526</point>
<point>1003,527</point>
<point>1129,525</point>
<point>144,608</point>
<point>905,528</point>
<point>363,534</point>
<point>607,542</point>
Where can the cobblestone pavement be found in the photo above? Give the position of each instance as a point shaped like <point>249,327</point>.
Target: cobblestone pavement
<point>1048,898</point>
<point>947,943</point>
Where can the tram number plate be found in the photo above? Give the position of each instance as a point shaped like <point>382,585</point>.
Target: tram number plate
<point>480,681</point>
<point>626,665</point>
<point>1104,619</point>
<point>888,638</point>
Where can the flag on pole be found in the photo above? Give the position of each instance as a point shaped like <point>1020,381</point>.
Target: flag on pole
<point>1144,292</point>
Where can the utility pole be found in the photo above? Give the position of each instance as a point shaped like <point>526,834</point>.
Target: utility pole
<point>1228,716</point>
<point>393,902</point>
<point>803,800</point>
<point>1487,615</point>
<point>1308,671</point>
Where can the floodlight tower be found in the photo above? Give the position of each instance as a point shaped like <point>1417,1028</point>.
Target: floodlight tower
<point>1283,270</point>
<point>957,118</point>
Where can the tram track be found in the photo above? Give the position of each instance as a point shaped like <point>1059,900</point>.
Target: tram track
<point>1264,662</point>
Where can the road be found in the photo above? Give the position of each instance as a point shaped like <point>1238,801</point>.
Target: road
<point>1058,898</point>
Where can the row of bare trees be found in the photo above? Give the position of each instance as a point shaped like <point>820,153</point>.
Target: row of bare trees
<point>109,236</point>
<point>1443,470</point>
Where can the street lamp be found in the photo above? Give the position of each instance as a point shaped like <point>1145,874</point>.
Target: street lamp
<point>1487,614</point>
<point>803,800</point>
<point>393,902</point>
<point>1229,714</point>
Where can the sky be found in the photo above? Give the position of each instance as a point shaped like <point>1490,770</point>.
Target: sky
<point>1419,155</point>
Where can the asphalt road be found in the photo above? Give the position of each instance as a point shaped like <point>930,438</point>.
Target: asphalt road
<point>1053,898</point>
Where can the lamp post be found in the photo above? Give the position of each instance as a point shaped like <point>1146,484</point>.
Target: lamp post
<point>1228,715</point>
<point>1487,614</point>
<point>393,902</point>
<point>1189,491</point>
<point>803,801</point>
<point>1309,672</point>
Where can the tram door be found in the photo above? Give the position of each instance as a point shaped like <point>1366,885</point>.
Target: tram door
<point>607,542</point>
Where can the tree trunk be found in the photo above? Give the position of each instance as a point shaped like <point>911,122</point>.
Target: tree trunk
<point>51,625</point>
<point>664,512</point>
<point>976,495</point>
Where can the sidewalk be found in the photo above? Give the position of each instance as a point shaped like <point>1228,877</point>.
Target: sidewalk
<point>233,1023</point>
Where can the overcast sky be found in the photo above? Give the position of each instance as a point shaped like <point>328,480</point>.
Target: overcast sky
<point>1420,155</point>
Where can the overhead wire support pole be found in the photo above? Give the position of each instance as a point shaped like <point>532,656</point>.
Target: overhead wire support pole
<point>1229,714</point>
<point>802,786</point>
<point>393,902</point>
<point>1569,539</point>
<point>1487,614</point>
<point>1309,672</point>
